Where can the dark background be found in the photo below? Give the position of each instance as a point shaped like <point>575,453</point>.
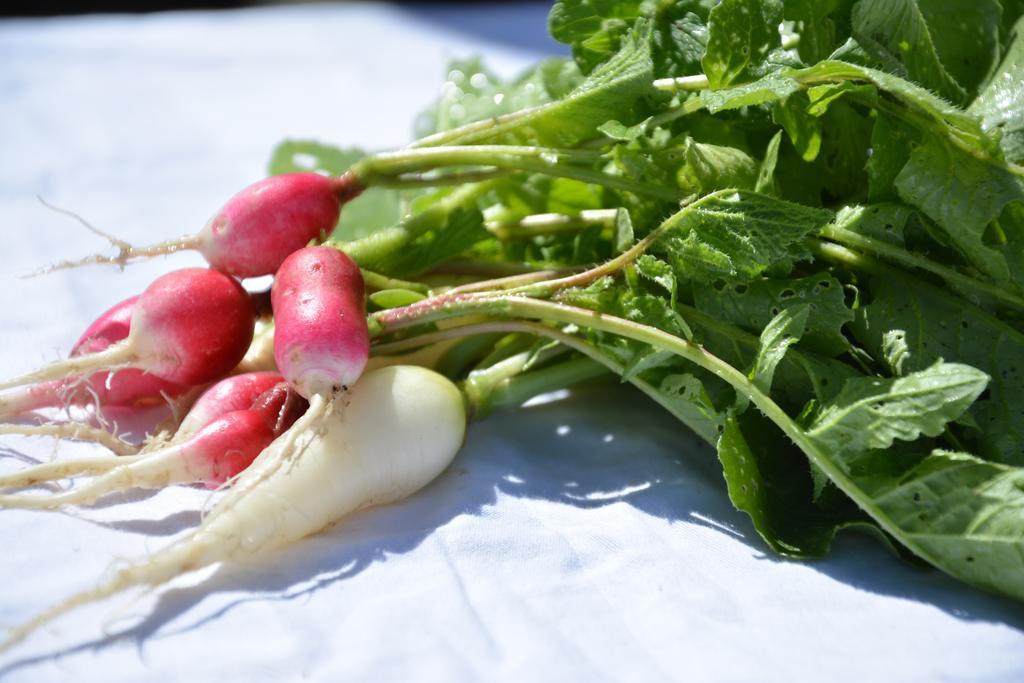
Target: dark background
<point>37,8</point>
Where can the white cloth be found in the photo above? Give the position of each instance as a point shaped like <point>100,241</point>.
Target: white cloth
<point>585,539</point>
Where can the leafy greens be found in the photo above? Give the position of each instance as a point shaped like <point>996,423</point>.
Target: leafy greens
<point>797,225</point>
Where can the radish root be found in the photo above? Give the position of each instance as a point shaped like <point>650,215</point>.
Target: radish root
<point>74,431</point>
<point>125,251</point>
<point>114,357</point>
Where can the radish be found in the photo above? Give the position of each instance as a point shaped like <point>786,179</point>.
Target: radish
<point>238,392</point>
<point>258,227</point>
<point>321,342</point>
<point>400,428</point>
<point>215,453</point>
<point>188,327</point>
<point>321,339</point>
<point>235,393</point>
<point>128,388</point>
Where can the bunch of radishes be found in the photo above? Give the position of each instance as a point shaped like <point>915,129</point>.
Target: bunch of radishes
<point>297,448</point>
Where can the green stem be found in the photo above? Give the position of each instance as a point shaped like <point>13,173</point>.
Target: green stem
<point>685,83</point>
<point>895,254</point>
<point>542,224</point>
<point>512,392</point>
<point>475,129</point>
<point>412,181</point>
<point>509,282</point>
<point>615,265</point>
<point>541,330</point>
<point>379,168</point>
<point>377,281</point>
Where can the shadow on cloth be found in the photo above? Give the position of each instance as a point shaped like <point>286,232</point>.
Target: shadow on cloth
<point>514,456</point>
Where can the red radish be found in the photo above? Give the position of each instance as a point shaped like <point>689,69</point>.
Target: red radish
<point>258,227</point>
<point>238,392</point>
<point>212,456</point>
<point>321,342</point>
<point>128,388</point>
<point>189,327</point>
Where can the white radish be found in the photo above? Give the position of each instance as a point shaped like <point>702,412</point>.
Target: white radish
<point>400,429</point>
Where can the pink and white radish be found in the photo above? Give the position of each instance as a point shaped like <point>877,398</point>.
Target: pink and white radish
<point>220,450</point>
<point>258,227</point>
<point>127,388</point>
<point>188,327</point>
<point>321,342</point>
<point>238,392</point>
<point>400,428</point>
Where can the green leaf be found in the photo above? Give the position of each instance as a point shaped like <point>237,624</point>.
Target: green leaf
<point>624,235</point>
<point>1001,104</point>
<point>737,236</point>
<point>622,133</point>
<point>595,29</point>
<point>937,325</point>
<point>764,483</point>
<point>741,34</point>
<point>895,33</point>
<point>962,194</point>
<point>870,413</point>
<point>800,377</point>
<point>767,89</point>
<point>917,105</point>
<point>784,330</point>
<point>891,144</point>
<point>845,150</point>
<point>966,36</point>
<point>803,129</point>
<point>895,350</point>
<point>374,209</point>
<point>751,305</point>
<point>962,514</point>
<point>608,93</point>
<point>713,167</point>
<point>883,222</point>
<point>686,397</point>
<point>658,271</point>
<point>472,92</point>
<point>823,25</point>
<point>680,37</point>
<point>765,183</point>
<point>452,232</point>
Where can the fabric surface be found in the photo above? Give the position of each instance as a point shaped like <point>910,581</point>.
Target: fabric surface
<point>587,537</point>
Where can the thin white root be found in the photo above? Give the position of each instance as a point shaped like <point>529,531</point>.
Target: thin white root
<point>152,471</point>
<point>125,251</point>
<point>75,431</point>
<point>30,476</point>
<point>118,355</point>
